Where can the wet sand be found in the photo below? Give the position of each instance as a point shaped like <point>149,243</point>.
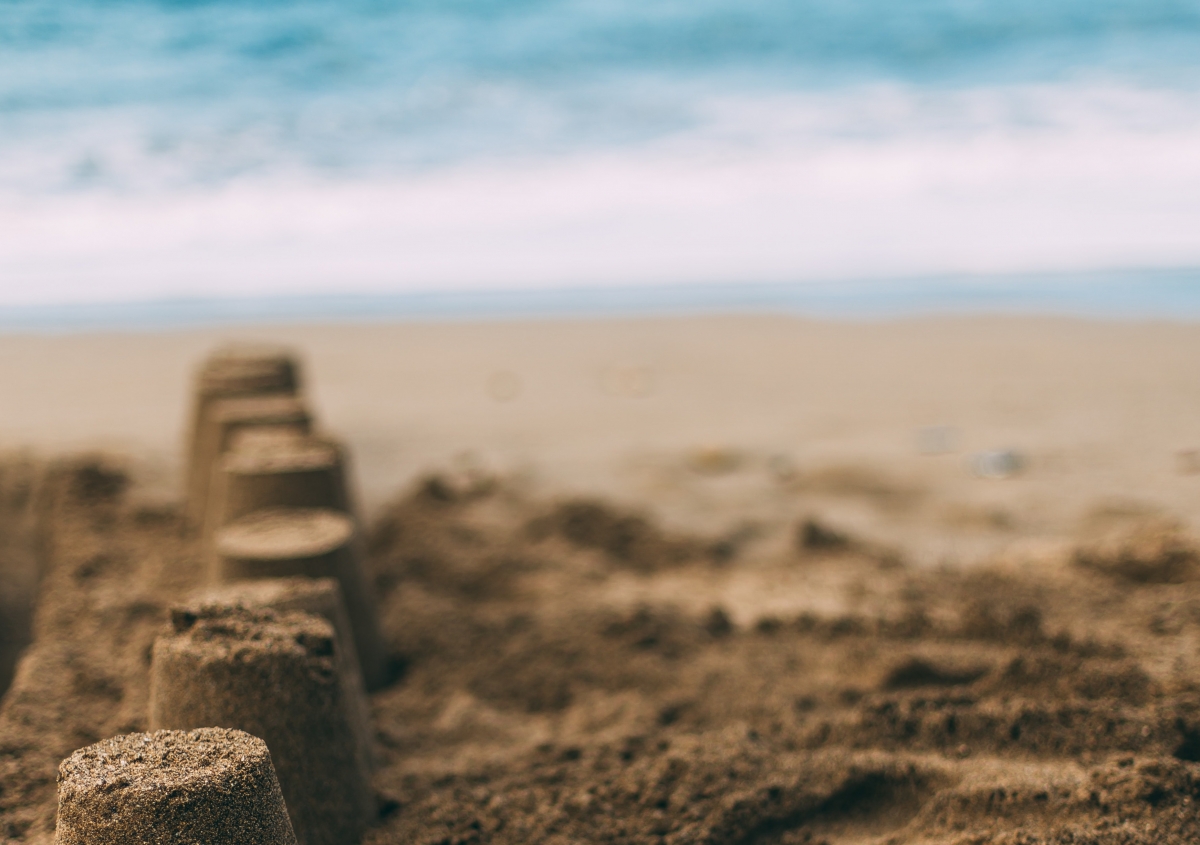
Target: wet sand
<point>715,580</point>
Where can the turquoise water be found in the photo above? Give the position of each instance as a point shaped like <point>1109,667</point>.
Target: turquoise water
<point>217,149</point>
<point>1160,296</point>
<point>128,94</point>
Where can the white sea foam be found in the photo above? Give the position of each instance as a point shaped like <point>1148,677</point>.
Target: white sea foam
<point>877,182</point>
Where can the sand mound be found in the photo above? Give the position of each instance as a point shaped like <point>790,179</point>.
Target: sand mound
<point>1155,551</point>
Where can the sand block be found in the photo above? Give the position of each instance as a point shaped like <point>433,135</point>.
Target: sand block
<point>231,372</point>
<point>241,369</point>
<point>225,419</point>
<point>269,469</point>
<point>318,596</point>
<point>315,543</point>
<point>200,787</point>
<point>274,675</point>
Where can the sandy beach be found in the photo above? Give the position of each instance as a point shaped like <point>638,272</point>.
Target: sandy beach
<point>714,418</point>
<point>730,579</point>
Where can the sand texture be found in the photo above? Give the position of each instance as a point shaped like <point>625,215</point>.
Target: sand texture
<point>932,582</point>
<point>188,787</point>
<point>314,543</point>
<point>278,677</point>
<point>320,597</point>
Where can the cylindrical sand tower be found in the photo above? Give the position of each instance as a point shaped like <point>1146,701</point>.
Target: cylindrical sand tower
<point>261,472</point>
<point>199,787</point>
<point>315,543</point>
<point>235,371</point>
<point>318,596</point>
<point>275,676</point>
<point>220,423</point>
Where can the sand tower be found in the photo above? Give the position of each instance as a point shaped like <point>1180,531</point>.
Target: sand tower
<point>315,543</point>
<point>317,596</point>
<point>199,787</point>
<point>268,468</point>
<point>274,675</point>
<point>224,420</point>
<point>232,372</point>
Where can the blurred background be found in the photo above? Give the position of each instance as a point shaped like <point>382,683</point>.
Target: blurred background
<point>292,171</point>
<point>313,158</point>
<point>774,421</point>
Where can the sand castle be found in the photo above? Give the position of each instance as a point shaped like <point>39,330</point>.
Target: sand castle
<point>198,787</point>
<point>276,676</point>
<point>270,499</point>
<point>278,646</point>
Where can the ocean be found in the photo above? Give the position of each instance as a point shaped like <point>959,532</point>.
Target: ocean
<point>596,154</point>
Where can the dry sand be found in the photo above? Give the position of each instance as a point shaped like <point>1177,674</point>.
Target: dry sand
<point>1102,410</point>
<point>725,580</point>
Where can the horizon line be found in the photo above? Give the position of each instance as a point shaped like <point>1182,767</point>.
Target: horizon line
<point>1135,293</point>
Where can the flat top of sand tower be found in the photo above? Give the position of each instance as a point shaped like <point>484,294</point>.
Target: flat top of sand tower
<point>243,368</point>
<point>259,409</point>
<point>162,761</point>
<point>251,636</point>
<point>266,437</point>
<point>199,787</point>
<point>266,591</point>
<point>277,453</point>
<point>224,631</point>
<point>249,352</point>
<point>285,534</point>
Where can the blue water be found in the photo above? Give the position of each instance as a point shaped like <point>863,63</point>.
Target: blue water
<point>217,88</point>
<point>118,114</point>
<point>1156,296</point>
